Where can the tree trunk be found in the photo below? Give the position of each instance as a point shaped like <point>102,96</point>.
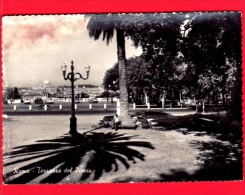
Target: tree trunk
<point>223,97</point>
<point>163,101</point>
<point>146,97</point>
<point>122,73</point>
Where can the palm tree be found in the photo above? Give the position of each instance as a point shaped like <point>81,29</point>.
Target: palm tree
<point>106,25</point>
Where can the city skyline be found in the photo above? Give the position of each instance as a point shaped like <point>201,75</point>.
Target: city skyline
<point>34,48</point>
<point>67,85</point>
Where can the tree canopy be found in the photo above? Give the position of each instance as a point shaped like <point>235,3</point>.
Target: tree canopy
<point>199,53</point>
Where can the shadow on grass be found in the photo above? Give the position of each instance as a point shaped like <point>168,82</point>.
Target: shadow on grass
<point>224,127</point>
<point>219,161</point>
<point>89,156</point>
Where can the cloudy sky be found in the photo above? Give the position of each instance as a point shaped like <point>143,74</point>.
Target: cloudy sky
<point>34,48</point>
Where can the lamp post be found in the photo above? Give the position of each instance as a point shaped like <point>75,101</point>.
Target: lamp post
<point>107,90</point>
<point>72,77</point>
<point>115,88</point>
<point>115,83</point>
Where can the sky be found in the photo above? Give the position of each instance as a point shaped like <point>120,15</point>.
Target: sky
<point>34,48</point>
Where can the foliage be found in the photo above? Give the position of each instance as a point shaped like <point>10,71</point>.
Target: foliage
<point>12,93</point>
<point>104,94</point>
<point>84,95</point>
<point>195,53</point>
<point>105,25</point>
<point>212,50</point>
<point>198,52</point>
<point>111,77</point>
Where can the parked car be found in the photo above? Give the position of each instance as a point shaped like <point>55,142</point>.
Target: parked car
<point>93,101</point>
<point>77,101</point>
<point>49,101</point>
<point>27,101</point>
<point>107,121</point>
<point>38,101</point>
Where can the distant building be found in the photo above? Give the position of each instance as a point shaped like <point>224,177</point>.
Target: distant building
<point>92,91</point>
<point>46,83</point>
<point>43,91</point>
<point>46,90</point>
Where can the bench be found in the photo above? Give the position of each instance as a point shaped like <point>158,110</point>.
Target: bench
<point>128,124</point>
<point>206,119</point>
<point>206,122</point>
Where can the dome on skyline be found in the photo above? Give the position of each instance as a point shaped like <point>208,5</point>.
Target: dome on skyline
<point>46,83</point>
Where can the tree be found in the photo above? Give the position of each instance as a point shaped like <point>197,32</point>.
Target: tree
<point>16,93</point>
<point>111,77</point>
<point>155,33</point>
<point>191,52</point>
<point>106,25</point>
<point>212,51</point>
<point>104,94</point>
<point>9,94</point>
<point>138,81</point>
<point>84,95</point>
<point>12,93</point>
<point>158,38</point>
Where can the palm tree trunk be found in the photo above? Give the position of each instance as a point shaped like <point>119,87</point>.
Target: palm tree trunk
<point>122,73</point>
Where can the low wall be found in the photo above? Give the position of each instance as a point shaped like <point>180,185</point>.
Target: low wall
<point>18,101</point>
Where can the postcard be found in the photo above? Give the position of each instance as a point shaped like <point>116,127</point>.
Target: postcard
<point>122,98</point>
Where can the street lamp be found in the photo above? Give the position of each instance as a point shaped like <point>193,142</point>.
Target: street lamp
<point>115,85</point>
<point>72,77</point>
<point>107,95</point>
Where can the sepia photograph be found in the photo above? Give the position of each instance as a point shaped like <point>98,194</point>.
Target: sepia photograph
<point>122,98</point>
